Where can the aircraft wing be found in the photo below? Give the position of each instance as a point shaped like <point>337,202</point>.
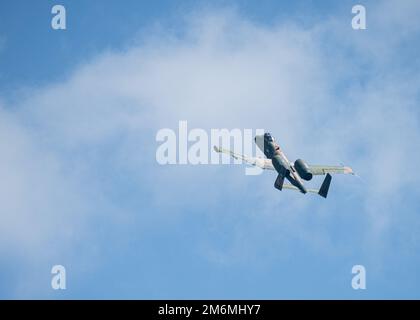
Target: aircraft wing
<point>258,162</point>
<point>321,170</point>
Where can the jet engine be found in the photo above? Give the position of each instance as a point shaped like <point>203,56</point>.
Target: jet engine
<point>303,169</point>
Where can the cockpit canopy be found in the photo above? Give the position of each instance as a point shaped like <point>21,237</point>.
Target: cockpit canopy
<point>268,137</point>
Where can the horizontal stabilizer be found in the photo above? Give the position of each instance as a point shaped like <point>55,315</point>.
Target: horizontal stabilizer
<point>323,191</point>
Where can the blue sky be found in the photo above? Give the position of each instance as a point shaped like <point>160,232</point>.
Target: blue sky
<point>79,112</point>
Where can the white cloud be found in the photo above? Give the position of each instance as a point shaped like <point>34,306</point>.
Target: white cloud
<point>64,146</point>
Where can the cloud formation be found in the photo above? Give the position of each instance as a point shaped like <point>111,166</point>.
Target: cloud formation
<point>78,157</point>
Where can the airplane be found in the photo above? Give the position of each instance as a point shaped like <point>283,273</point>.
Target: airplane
<point>295,172</point>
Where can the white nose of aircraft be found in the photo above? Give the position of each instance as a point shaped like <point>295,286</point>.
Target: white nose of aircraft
<point>259,141</point>
<point>263,140</point>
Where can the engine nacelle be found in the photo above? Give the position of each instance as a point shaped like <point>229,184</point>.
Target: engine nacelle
<point>303,169</point>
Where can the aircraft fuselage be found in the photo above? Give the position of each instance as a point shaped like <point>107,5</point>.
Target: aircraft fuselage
<point>280,162</point>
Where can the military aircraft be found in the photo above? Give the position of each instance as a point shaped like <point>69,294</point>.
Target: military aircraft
<point>294,172</point>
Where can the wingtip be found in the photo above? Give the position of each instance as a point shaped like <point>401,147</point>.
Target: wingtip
<point>216,149</point>
<point>349,170</point>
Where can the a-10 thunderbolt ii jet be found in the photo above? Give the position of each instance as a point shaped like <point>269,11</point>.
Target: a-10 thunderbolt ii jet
<point>294,172</point>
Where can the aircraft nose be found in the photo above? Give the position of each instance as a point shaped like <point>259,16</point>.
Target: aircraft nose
<point>258,138</point>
